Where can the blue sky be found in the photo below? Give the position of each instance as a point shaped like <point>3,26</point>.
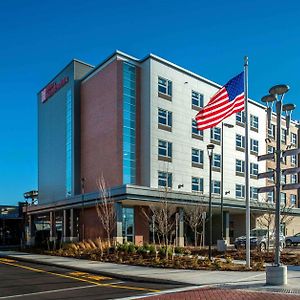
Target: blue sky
<point>38,38</point>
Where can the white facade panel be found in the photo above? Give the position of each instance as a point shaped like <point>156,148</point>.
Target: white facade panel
<point>181,135</point>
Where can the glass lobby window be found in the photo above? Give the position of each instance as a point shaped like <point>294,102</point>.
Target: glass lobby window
<point>128,224</point>
<point>129,123</point>
<point>197,184</point>
<point>164,86</point>
<point>197,99</point>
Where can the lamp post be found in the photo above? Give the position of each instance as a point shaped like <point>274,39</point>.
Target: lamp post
<point>276,96</point>
<point>210,152</point>
<point>222,175</point>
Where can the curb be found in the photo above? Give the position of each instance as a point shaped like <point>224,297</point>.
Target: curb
<point>103,273</point>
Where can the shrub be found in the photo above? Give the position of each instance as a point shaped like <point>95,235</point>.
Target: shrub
<point>179,250</point>
<point>131,248</point>
<point>142,250</point>
<point>228,259</point>
<point>152,249</point>
<point>217,264</point>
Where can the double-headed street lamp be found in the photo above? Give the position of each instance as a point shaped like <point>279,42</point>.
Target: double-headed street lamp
<point>210,152</point>
<point>276,95</point>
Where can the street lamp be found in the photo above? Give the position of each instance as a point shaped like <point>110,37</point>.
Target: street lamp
<point>210,152</point>
<point>222,175</point>
<point>276,96</point>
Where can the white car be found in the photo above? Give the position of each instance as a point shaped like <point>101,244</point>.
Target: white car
<point>293,240</point>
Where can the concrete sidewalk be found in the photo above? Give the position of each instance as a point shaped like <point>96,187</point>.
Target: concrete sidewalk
<point>241,280</point>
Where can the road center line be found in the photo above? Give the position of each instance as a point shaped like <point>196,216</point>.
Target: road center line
<point>116,286</point>
<point>49,292</point>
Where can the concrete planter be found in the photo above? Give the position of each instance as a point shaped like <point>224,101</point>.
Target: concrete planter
<point>276,275</point>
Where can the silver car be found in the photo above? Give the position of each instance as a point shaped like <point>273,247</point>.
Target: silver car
<point>292,240</point>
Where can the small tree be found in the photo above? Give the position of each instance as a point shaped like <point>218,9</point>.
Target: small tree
<point>105,209</point>
<point>194,217</point>
<point>162,216</point>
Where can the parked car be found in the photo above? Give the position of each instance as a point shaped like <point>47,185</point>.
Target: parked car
<point>293,240</point>
<point>259,240</point>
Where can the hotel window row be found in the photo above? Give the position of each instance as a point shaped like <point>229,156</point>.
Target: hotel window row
<point>165,90</point>
<point>283,138</point>
<point>283,198</point>
<point>240,192</point>
<point>240,119</point>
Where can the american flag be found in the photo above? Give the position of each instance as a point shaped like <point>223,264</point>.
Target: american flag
<point>227,101</point>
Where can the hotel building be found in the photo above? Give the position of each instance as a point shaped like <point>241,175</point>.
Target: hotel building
<point>132,121</point>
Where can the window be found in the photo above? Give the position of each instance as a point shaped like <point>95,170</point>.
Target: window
<point>253,193</point>
<point>283,198</point>
<point>270,197</point>
<point>293,178</point>
<point>240,117</point>
<point>215,134</point>
<point>283,135</point>
<point>254,122</point>
<point>283,179</point>
<point>293,160</point>
<point>128,224</point>
<point>197,99</point>
<point>197,156</point>
<point>239,191</point>
<point>164,117</point>
<point>164,86</point>
<point>271,131</point>
<point>240,141</point>
<point>253,169</point>
<point>129,123</point>
<point>216,187</point>
<point>254,146</point>
<point>271,149</point>
<point>294,139</point>
<point>272,177</point>
<point>164,149</point>
<point>216,162</point>
<point>240,166</point>
<point>197,184</point>
<point>164,179</point>
<point>69,118</point>
<point>293,199</point>
<point>195,131</point>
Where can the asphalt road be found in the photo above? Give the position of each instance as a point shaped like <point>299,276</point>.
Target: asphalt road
<point>22,280</point>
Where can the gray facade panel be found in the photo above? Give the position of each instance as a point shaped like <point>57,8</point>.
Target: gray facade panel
<point>52,136</point>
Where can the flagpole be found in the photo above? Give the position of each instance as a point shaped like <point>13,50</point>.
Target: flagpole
<point>247,169</point>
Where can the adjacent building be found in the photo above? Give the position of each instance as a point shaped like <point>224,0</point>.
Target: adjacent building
<point>131,121</point>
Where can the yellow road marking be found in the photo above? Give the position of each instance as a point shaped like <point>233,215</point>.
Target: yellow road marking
<point>89,276</point>
<point>79,278</point>
<point>6,260</point>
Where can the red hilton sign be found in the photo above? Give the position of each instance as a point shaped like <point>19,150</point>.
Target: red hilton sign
<point>52,88</point>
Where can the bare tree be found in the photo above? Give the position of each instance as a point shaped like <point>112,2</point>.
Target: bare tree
<point>194,217</point>
<point>105,209</point>
<point>162,216</point>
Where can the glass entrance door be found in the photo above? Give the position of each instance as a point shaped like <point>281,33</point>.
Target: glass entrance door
<point>128,224</point>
